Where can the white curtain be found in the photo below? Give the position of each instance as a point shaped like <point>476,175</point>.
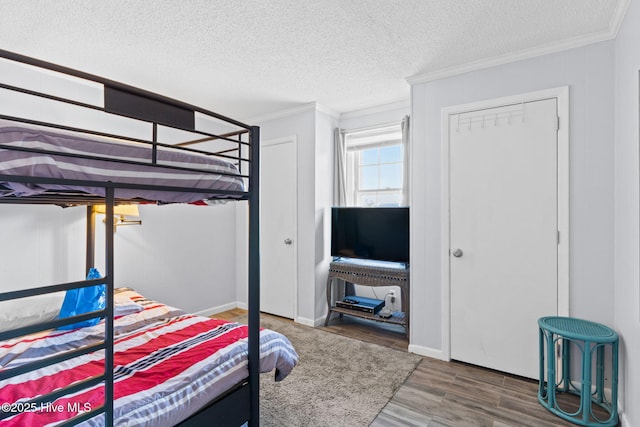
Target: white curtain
<point>340,175</point>
<point>405,166</point>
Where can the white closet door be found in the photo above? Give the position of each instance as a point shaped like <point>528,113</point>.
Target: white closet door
<point>503,233</point>
<point>278,239</point>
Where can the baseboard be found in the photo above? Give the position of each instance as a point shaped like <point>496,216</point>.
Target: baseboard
<point>607,393</point>
<point>425,351</point>
<point>230,306</point>
<point>624,422</point>
<point>309,322</point>
<point>215,310</point>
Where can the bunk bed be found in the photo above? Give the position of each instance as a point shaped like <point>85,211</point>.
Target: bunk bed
<point>152,149</point>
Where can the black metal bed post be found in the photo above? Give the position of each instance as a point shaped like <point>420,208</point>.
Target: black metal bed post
<point>254,275</point>
<point>108,327</point>
<point>91,239</point>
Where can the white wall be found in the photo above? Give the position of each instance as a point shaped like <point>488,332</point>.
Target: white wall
<point>324,152</point>
<point>627,235</point>
<point>31,248</point>
<point>181,255</point>
<point>589,73</point>
<point>74,240</point>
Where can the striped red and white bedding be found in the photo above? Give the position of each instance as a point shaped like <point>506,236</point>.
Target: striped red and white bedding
<point>168,364</point>
<point>102,168</point>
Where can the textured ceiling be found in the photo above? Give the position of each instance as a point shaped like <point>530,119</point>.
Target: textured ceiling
<point>246,58</point>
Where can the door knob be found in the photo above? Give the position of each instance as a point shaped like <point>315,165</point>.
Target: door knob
<point>457,253</point>
<point>288,241</point>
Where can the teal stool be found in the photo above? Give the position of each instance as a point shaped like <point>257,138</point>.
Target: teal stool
<point>589,337</point>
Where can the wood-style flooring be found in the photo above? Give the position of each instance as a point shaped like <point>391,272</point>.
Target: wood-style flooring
<point>454,394</point>
<point>447,394</point>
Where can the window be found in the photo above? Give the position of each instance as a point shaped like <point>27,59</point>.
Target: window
<point>374,167</point>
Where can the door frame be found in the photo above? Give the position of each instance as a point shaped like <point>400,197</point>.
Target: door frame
<point>562,96</point>
<point>293,139</point>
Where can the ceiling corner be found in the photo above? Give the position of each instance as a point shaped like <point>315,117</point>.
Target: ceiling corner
<point>618,17</point>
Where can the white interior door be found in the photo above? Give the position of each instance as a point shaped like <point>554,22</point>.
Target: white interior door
<point>278,239</point>
<point>503,197</point>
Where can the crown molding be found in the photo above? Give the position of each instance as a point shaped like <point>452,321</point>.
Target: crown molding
<point>609,34</point>
<point>316,106</point>
<point>618,17</point>
<point>288,112</point>
<point>326,110</point>
<point>397,105</point>
<point>282,113</point>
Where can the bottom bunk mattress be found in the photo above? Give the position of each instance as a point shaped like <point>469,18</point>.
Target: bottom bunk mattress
<point>167,365</point>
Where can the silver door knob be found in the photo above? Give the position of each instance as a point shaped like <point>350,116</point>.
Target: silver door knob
<point>288,241</point>
<point>457,253</point>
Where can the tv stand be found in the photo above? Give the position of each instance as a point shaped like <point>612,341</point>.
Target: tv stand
<point>369,273</point>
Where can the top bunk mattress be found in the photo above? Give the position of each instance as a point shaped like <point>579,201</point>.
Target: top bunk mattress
<point>94,160</point>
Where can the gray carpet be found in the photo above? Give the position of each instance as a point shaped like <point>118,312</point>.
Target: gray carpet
<point>339,381</point>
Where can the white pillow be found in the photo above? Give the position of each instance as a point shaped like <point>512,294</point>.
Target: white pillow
<point>123,304</point>
<point>29,311</point>
<point>122,308</point>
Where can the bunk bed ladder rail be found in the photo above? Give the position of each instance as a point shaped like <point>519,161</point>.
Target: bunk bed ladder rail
<point>254,276</point>
<point>109,325</point>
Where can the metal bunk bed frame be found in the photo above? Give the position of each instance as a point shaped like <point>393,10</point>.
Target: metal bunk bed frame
<point>237,406</point>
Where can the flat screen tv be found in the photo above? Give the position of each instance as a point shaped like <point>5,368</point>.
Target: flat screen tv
<point>380,234</point>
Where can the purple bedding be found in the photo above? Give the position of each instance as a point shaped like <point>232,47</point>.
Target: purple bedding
<point>53,165</point>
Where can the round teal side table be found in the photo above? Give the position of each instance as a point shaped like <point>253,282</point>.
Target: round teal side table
<point>589,337</point>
